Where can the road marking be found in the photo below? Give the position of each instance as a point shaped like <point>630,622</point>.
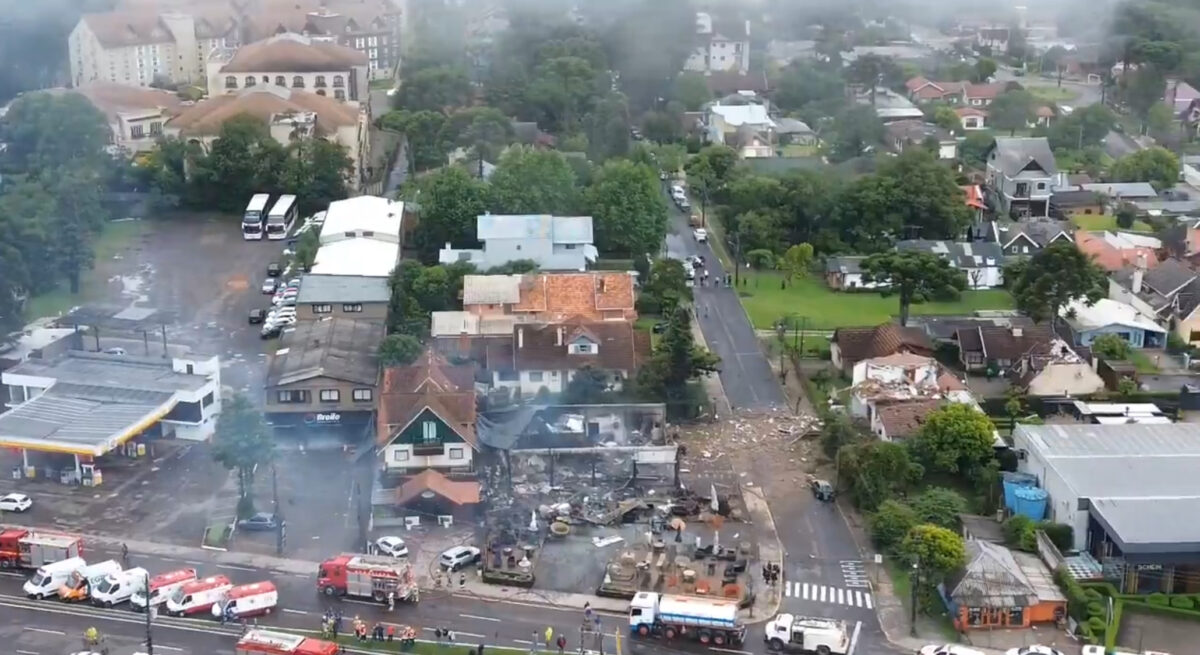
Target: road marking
<point>301,575</point>
<point>45,631</point>
<point>479,618</point>
<point>158,646</point>
<point>823,594</point>
<point>193,562</point>
<point>291,611</point>
<point>27,652</point>
<point>522,641</point>
<point>235,568</point>
<point>854,638</point>
<point>13,575</point>
<point>729,650</point>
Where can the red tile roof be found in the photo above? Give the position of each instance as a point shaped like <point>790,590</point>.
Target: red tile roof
<point>397,410</point>
<point>859,343</point>
<point>459,492</point>
<point>555,297</point>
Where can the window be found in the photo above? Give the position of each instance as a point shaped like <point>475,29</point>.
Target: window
<point>368,233</point>
<point>206,400</point>
<point>507,376</point>
<point>280,81</point>
<point>320,92</point>
<point>400,455</point>
<point>266,79</point>
<point>297,81</point>
<point>1041,186</point>
<point>338,82</point>
<point>362,395</point>
<point>156,128</point>
<point>429,432</point>
<point>289,396</point>
<point>339,94</point>
<point>330,395</point>
<point>320,81</point>
<point>136,131</point>
<point>583,348</point>
<point>250,80</point>
<point>456,453</point>
<point>191,369</point>
<point>322,309</point>
<point>535,376</point>
<point>230,82</point>
<point>352,308</point>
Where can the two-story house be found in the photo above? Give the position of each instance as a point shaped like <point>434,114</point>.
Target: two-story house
<point>136,115</point>
<point>544,358</point>
<point>981,261</point>
<point>1019,238</point>
<point>551,297</point>
<point>726,124</point>
<point>722,46</point>
<point>356,297</point>
<point>324,376</point>
<point>555,243</point>
<point>1020,172</point>
<point>425,437</point>
<point>292,61</point>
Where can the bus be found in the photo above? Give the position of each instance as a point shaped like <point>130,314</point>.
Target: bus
<point>281,218</point>
<point>255,217</point>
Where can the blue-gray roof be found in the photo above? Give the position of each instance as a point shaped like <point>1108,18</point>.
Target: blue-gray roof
<point>960,254</point>
<point>1122,189</point>
<point>560,229</point>
<point>343,288</point>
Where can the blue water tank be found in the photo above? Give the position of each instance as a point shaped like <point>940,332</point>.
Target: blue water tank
<point>1013,481</point>
<point>1031,502</point>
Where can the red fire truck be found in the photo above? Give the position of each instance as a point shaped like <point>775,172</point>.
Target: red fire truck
<point>27,549</point>
<point>269,642</point>
<point>368,576</point>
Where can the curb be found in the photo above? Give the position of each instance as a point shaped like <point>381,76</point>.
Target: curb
<point>776,592</point>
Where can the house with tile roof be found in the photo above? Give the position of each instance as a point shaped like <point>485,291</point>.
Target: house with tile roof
<point>291,61</point>
<point>1113,251</point>
<point>1027,237</point>
<point>425,437</point>
<point>921,89</point>
<point>548,356</point>
<point>552,297</point>
<point>972,118</point>
<point>554,243</point>
<point>136,115</point>
<point>982,262</point>
<point>982,95</point>
<point>851,345</point>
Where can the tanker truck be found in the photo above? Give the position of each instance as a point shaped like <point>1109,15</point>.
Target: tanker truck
<point>711,621</point>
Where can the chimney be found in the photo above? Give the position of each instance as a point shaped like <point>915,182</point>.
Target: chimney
<point>520,338</point>
<point>1017,332</point>
<point>1139,271</point>
<point>559,339</point>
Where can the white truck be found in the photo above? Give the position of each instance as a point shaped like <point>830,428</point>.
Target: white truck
<point>803,634</point>
<point>711,621</point>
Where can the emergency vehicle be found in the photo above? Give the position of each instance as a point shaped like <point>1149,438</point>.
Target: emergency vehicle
<point>269,642</point>
<point>26,549</point>
<point>197,596</point>
<point>368,576</point>
<point>247,600</point>
<point>162,586</point>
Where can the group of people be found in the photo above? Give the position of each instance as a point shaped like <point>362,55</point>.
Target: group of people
<point>771,572</point>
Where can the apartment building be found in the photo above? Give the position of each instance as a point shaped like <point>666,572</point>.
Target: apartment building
<point>292,61</point>
<point>721,46</point>
<point>139,47</point>
<point>373,27</point>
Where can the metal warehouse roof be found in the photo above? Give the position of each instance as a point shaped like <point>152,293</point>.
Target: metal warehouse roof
<point>112,371</point>
<point>343,288</point>
<point>82,419</point>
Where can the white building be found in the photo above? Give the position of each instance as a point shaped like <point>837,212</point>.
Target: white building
<point>726,122</point>
<point>548,356</point>
<point>136,115</point>
<point>360,236</point>
<point>135,47</point>
<point>555,243</point>
<point>292,61</point>
<point>724,47</point>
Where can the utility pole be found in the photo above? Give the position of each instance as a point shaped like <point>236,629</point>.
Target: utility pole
<point>280,530</point>
<point>916,582</point>
<point>149,610</point>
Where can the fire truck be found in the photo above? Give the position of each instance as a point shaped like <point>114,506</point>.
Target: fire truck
<point>368,576</point>
<point>269,642</point>
<point>26,549</point>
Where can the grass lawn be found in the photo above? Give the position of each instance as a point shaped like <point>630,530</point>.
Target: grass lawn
<point>1142,362</point>
<point>1106,222</point>
<point>1052,93</point>
<point>384,84</point>
<point>902,588</point>
<point>766,303</point>
<point>114,238</point>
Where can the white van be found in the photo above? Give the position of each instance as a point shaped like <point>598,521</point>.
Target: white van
<point>117,588</point>
<point>246,600</point>
<point>80,583</point>
<point>46,581</point>
<point>198,596</point>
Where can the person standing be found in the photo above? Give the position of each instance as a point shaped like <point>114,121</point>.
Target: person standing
<point>562,644</point>
<point>549,636</point>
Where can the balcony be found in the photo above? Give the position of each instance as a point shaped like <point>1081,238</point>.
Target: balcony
<point>427,449</point>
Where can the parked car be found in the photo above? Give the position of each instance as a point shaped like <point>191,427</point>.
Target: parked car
<point>1036,649</point>
<point>393,546</point>
<point>701,235</point>
<point>15,503</point>
<point>822,490</point>
<point>271,330</point>
<point>458,557</point>
<point>269,285</point>
<point>115,351</point>
<point>259,522</point>
<point>683,205</point>
<point>274,269</point>
<point>948,649</point>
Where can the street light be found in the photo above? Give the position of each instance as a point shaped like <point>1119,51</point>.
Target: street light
<point>915,582</point>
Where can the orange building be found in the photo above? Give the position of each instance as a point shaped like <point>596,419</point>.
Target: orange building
<point>552,297</point>
<point>1002,589</point>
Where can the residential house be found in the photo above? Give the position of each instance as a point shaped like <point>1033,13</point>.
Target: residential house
<point>1181,97</point>
<point>1123,191</point>
<point>138,47</point>
<point>1187,318</point>
<point>921,89</point>
<point>1043,116</point>
<point>753,143</point>
<point>1113,251</point>
<point>844,273</point>
<point>356,297</point>
<point>555,243</point>
<point>425,436</point>
<point>465,335</point>
<point>723,46</point>
<point>548,356</point>
<point>1027,237</point>
<point>725,122</point>
<point>324,375</point>
<point>851,345</point>
<point>1065,204</point>
<point>982,262</point>
<point>292,61</point>
<point>1000,349</point>
<point>1002,589</point>
<point>361,236</point>
<point>972,118</point>
<point>1153,291</point>
<point>795,132</point>
<point>973,195</point>
<point>289,113</point>
<point>1020,171</point>
<point>900,420</point>
<point>889,105</point>
<point>1109,316</point>
<point>1062,377</point>
<point>993,37</point>
<point>136,115</point>
<point>900,379</point>
<point>982,95</point>
<point>1182,238</point>
<point>723,83</point>
<point>915,134</point>
<point>551,297</point>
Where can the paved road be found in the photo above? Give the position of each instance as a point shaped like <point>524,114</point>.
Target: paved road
<point>745,373</point>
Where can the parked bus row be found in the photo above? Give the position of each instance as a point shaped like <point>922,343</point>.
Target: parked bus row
<point>276,224</point>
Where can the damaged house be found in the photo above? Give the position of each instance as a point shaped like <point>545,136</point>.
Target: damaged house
<point>896,392</point>
<point>1034,357</point>
<point>548,357</point>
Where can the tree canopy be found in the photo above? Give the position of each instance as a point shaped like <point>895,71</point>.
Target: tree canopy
<point>912,276</point>
<point>241,443</point>
<point>1053,277</point>
<point>955,438</point>
<point>626,202</point>
<point>531,181</point>
<point>1156,165</point>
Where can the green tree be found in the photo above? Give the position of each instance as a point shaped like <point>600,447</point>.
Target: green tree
<point>439,88</point>
<point>955,438</point>
<point>1160,122</point>
<point>855,130</point>
<point>676,359</point>
<point>451,200</point>
<point>1055,276</point>
<point>873,71</point>
<point>891,523</point>
<point>1111,346</point>
<point>1020,532</point>
<point>801,84</point>
<point>876,471</point>
<point>939,506</point>
<point>1158,166</point>
<point>483,130</point>
<point>937,552</point>
<point>423,130</point>
<point>945,118</point>
<point>530,181</point>
<point>838,430</point>
<point>563,90</point>
<point>691,90</point>
<point>710,171</point>
<point>973,149</point>
<point>912,276</point>
<point>661,127</point>
<point>667,285</point>
<point>796,261</point>
<point>1086,126</point>
<point>14,283</point>
<point>588,386</point>
<point>241,443</point>
<point>626,202</point>
<point>243,160</point>
<point>317,171</point>
<point>1126,215</point>
<point>44,131</point>
<point>399,350</point>
<point>608,128</point>
<point>1012,110</point>
<point>985,68</point>
<point>1142,89</point>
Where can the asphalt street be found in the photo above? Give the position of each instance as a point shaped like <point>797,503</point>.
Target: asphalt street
<point>745,374</point>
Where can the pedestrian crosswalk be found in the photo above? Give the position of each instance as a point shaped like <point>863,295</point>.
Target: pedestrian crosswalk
<point>819,593</point>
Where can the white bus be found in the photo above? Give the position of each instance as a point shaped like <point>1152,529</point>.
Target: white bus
<point>281,218</point>
<point>255,217</point>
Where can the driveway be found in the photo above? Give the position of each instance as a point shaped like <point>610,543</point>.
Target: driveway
<point>745,374</point>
